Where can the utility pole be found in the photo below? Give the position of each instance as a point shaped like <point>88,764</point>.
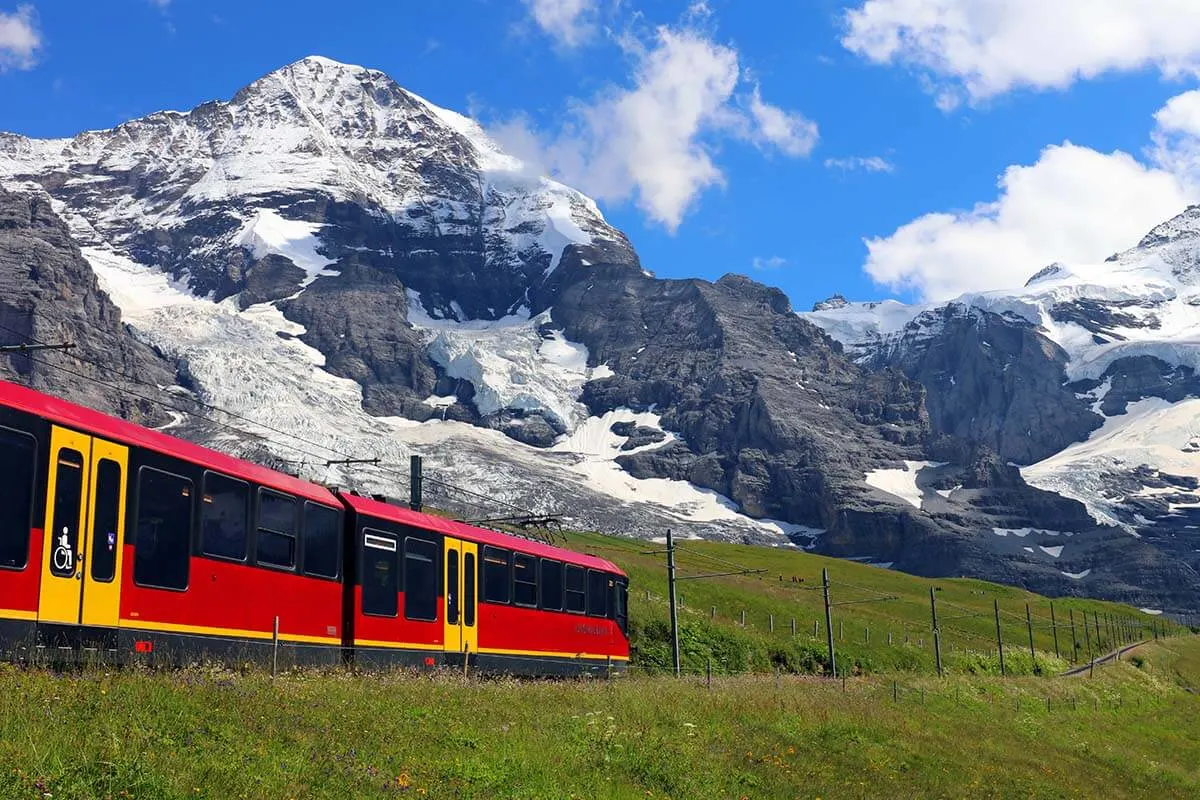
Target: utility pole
<point>1054,627</point>
<point>674,608</point>
<point>829,624</point>
<point>999,638</point>
<point>937,636</point>
<point>414,483</point>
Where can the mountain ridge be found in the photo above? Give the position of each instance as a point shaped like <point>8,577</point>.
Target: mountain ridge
<point>441,299</point>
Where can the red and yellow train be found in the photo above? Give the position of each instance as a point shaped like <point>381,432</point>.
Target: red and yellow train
<point>143,547</point>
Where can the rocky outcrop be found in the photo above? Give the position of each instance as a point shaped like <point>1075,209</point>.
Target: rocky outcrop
<point>49,294</point>
<point>991,380</point>
<point>769,411</point>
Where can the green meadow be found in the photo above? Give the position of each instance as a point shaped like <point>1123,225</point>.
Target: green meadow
<point>759,727</point>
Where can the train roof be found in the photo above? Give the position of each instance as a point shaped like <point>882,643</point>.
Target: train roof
<point>461,530</point>
<point>93,422</point>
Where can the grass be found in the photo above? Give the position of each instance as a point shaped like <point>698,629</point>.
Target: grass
<point>890,729</point>
<point>1128,732</point>
<point>790,588</point>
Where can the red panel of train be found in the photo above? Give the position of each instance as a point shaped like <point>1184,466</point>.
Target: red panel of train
<point>159,550</point>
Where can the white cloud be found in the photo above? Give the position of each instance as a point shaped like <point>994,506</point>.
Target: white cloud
<point>791,132</point>
<point>771,262</point>
<point>20,40</point>
<point>861,163</point>
<point>568,22</point>
<point>1074,204</point>
<point>655,142</point>
<point>983,48</point>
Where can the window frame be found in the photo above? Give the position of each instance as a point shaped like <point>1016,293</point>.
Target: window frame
<point>295,534</point>
<point>562,584</point>
<point>249,520</point>
<point>94,511</point>
<point>490,552</point>
<point>517,555</point>
<point>137,516</point>
<point>79,493</point>
<point>338,532</point>
<point>436,570</point>
<point>470,598</point>
<point>33,489</point>
<point>382,537</point>
<point>567,590</point>
<point>607,578</point>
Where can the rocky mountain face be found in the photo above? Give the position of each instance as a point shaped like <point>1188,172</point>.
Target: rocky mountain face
<point>49,294</point>
<point>367,274</point>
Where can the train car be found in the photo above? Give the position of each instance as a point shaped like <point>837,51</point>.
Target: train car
<point>500,603</point>
<point>134,545</point>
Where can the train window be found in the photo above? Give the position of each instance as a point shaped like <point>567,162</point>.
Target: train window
<point>322,528</point>
<point>18,464</point>
<point>380,575</point>
<point>223,513</point>
<point>597,594</point>
<point>576,589</point>
<point>621,605</point>
<point>106,512</point>
<point>162,551</point>
<point>276,540</point>
<point>420,580</point>
<point>497,575</point>
<point>552,585</point>
<point>525,580</point>
<point>469,592</point>
<point>452,587</point>
<point>68,498</point>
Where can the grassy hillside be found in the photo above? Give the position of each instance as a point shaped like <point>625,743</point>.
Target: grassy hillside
<point>896,604</point>
<point>1127,733</point>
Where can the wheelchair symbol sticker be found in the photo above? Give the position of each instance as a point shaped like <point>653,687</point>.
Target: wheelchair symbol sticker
<point>64,556</point>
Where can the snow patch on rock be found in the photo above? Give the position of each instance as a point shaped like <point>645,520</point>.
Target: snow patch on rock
<point>267,232</point>
<point>901,482</point>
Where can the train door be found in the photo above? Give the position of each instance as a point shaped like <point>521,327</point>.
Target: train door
<point>462,595</point>
<point>85,524</point>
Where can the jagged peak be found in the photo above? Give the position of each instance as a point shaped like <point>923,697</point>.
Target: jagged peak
<point>1054,270</point>
<point>1183,226</point>
<point>831,303</point>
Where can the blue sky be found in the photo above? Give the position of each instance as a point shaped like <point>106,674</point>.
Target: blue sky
<point>947,108</point>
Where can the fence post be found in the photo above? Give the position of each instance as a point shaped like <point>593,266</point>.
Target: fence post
<point>793,626</point>
<point>999,637</point>
<point>1054,627</point>
<point>771,623</point>
<point>1096,623</point>
<point>1074,641</point>
<point>708,672</point>
<point>866,634</point>
<point>829,623</point>
<point>275,648</point>
<point>712,613</point>
<point>1087,636</point>
<point>937,638</point>
<point>816,628</point>
<point>1029,626</point>
<point>841,630</point>
<point>743,617</point>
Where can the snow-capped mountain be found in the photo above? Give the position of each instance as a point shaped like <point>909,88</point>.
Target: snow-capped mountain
<point>1085,378</point>
<point>352,270</point>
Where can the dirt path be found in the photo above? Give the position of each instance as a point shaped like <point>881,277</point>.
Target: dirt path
<point>1115,655</point>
